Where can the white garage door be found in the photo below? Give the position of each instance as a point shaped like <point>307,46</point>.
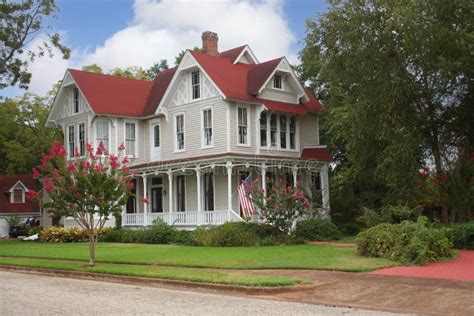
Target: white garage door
<point>3,227</point>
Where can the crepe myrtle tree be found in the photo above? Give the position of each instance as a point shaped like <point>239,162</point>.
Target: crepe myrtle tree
<point>282,205</point>
<point>90,188</point>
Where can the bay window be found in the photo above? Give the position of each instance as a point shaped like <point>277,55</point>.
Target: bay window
<point>263,129</point>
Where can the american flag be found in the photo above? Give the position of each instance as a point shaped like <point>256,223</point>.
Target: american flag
<point>245,196</point>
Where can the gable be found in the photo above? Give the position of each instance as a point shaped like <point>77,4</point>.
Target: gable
<point>63,103</point>
<point>179,89</point>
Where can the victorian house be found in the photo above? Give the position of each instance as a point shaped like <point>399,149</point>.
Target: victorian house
<point>197,130</point>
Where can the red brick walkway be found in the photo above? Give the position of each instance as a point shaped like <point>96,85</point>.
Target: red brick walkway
<point>461,268</point>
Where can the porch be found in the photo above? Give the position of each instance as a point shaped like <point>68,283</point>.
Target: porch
<point>188,194</point>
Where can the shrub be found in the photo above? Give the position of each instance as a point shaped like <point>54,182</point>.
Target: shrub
<point>227,235</point>
<point>370,218</point>
<point>317,230</point>
<point>408,242</point>
<point>392,214</point>
<point>34,230</point>
<point>55,234</point>
<point>463,235</point>
<point>158,233</point>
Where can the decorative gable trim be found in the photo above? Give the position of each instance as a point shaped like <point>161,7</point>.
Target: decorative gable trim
<point>249,52</point>
<point>67,80</point>
<point>285,66</point>
<point>20,184</point>
<point>187,62</point>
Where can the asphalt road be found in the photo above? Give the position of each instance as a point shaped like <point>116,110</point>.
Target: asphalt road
<point>31,294</point>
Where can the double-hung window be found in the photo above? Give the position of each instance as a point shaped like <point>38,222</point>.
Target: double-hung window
<point>179,128</point>
<point>18,196</point>
<point>208,192</point>
<point>277,84</point>
<point>207,127</point>
<point>130,139</point>
<point>156,135</point>
<point>283,131</point>
<point>82,139</point>
<point>292,132</point>
<point>243,121</point>
<point>273,129</point>
<point>71,138</point>
<point>75,100</point>
<point>180,194</point>
<point>195,85</point>
<point>102,133</point>
<point>263,129</point>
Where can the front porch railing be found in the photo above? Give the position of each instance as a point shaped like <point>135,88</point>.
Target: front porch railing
<point>192,218</point>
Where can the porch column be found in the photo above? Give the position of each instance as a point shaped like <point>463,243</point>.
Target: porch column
<point>295,175</point>
<point>264,180</point>
<point>229,185</point>
<point>325,187</point>
<point>145,196</point>
<point>199,199</point>
<point>170,190</point>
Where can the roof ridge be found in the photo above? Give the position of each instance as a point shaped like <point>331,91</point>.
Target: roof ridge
<point>108,75</point>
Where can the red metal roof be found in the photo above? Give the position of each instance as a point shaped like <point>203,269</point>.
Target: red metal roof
<point>113,95</point>
<point>120,96</point>
<point>317,153</point>
<point>160,84</point>
<point>6,183</point>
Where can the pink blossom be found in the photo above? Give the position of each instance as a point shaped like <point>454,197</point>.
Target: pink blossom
<point>130,185</point>
<point>30,194</point>
<point>261,191</point>
<point>306,203</point>
<point>57,149</point>
<point>76,153</point>
<point>71,167</point>
<point>256,181</point>
<point>121,147</point>
<point>100,149</point>
<point>146,201</point>
<point>125,161</point>
<point>36,173</point>
<point>48,187</point>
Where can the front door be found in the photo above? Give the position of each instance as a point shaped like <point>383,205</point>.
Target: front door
<point>157,200</point>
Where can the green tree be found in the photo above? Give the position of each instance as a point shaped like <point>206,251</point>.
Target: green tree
<point>396,78</point>
<point>22,21</point>
<point>155,70</point>
<point>93,68</point>
<point>23,134</point>
<point>180,55</point>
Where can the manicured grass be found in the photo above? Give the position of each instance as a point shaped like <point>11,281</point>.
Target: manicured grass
<point>194,275</point>
<point>320,257</point>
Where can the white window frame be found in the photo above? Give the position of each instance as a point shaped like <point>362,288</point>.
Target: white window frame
<point>18,186</point>
<point>175,133</point>
<point>79,138</point>
<point>278,132</point>
<point>260,129</point>
<point>96,134</point>
<point>125,122</point>
<point>74,90</point>
<point>243,106</point>
<point>191,97</point>
<point>70,155</point>
<point>274,81</point>
<point>203,133</point>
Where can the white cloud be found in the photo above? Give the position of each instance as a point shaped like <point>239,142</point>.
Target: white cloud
<point>161,29</point>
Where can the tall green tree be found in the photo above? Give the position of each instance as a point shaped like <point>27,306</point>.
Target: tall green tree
<point>23,134</point>
<point>21,22</point>
<point>396,78</point>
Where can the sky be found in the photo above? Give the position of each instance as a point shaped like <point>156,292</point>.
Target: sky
<point>121,33</point>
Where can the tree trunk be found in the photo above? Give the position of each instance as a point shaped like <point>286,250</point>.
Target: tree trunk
<point>92,244</point>
<point>441,196</point>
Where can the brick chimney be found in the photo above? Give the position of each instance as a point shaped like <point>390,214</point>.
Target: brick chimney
<point>209,43</point>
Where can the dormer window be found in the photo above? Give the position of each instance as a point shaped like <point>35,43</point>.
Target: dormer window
<point>195,85</point>
<point>277,84</point>
<point>75,100</point>
<point>17,193</point>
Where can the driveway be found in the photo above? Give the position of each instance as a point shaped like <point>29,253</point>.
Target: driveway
<point>31,294</point>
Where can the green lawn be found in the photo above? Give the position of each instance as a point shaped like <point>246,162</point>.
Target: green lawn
<point>318,257</point>
<point>168,273</point>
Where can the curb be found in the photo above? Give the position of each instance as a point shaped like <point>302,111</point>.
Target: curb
<point>247,290</point>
